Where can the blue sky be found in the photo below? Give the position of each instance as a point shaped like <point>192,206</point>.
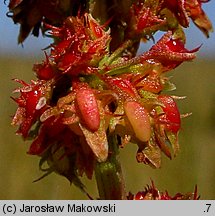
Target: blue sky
<point>32,46</point>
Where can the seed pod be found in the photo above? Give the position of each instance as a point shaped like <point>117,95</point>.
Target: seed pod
<point>87,105</point>
<point>139,119</point>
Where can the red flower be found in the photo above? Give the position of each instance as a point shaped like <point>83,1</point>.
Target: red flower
<point>67,153</point>
<point>143,21</point>
<point>171,116</point>
<point>45,71</point>
<point>82,44</point>
<point>151,82</point>
<point>170,52</point>
<point>194,8</point>
<point>32,102</point>
<point>30,14</point>
<point>152,193</point>
<point>190,8</point>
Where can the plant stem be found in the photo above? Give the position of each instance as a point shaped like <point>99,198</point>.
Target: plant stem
<point>110,182</point>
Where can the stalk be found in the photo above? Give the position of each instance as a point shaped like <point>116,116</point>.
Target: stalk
<point>109,178</point>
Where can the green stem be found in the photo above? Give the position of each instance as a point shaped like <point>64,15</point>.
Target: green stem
<point>119,51</point>
<point>109,177</point>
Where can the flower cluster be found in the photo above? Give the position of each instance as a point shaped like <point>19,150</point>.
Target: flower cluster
<point>143,20</point>
<point>30,14</point>
<point>84,91</point>
<point>152,193</point>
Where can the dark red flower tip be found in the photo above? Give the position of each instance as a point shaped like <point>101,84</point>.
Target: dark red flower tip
<point>176,45</point>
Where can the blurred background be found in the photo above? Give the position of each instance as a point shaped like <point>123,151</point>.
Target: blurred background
<point>195,165</point>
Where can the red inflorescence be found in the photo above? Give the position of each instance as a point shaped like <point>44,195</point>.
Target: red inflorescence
<point>84,91</point>
<point>152,193</point>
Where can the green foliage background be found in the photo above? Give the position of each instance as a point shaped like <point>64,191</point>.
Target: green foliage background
<point>194,165</point>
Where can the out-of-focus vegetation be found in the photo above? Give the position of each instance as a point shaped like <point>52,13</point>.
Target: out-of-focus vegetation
<point>194,165</point>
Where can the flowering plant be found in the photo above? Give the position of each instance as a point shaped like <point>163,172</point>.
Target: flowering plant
<point>93,95</point>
